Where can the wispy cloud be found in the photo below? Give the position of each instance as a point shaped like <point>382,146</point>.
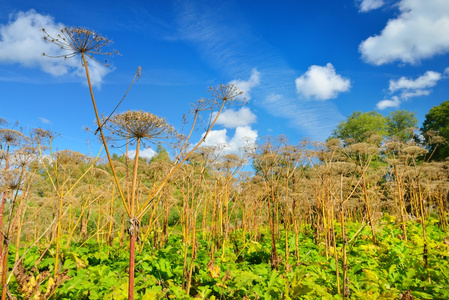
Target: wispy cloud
<point>368,5</point>
<point>446,72</point>
<point>44,120</point>
<point>419,32</point>
<point>21,42</point>
<point>232,48</point>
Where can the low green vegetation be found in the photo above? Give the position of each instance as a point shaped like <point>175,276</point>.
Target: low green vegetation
<point>382,270</point>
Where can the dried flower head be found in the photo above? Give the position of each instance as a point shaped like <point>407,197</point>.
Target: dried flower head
<point>79,41</point>
<point>11,136</point>
<point>139,125</point>
<point>363,148</point>
<point>414,150</point>
<point>229,93</point>
<point>69,157</point>
<point>433,138</point>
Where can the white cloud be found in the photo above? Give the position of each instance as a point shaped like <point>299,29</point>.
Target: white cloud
<point>367,5</point>
<point>273,98</point>
<point>321,83</point>
<point>246,85</point>
<point>21,42</point>
<point>416,93</point>
<point>145,153</point>
<point>221,44</point>
<point>216,138</point>
<point>446,72</point>
<point>231,118</point>
<point>395,102</point>
<point>419,32</point>
<point>44,120</point>
<point>243,136</point>
<point>429,79</point>
<point>409,88</point>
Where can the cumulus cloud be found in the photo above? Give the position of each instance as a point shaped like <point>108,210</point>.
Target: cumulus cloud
<point>419,32</point>
<point>21,42</point>
<point>243,136</point>
<point>232,119</point>
<point>246,85</point>
<point>406,88</point>
<point>321,83</point>
<point>367,5</point>
<point>216,138</point>
<point>394,102</point>
<point>429,79</point>
<point>147,153</point>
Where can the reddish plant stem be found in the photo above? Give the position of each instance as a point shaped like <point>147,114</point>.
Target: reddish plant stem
<point>132,251</point>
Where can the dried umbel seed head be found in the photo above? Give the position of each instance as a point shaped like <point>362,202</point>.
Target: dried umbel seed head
<point>394,146</point>
<point>69,157</point>
<point>10,179</point>
<point>230,161</point>
<point>99,173</point>
<point>24,156</point>
<point>139,125</point>
<point>11,136</point>
<point>77,40</point>
<point>342,168</point>
<point>228,93</point>
<point>414,151</point>
<point>42,134</point>
<point>364,148</point>
<point>202,104</point>
<point>433,138</point>
<point>333,144</point>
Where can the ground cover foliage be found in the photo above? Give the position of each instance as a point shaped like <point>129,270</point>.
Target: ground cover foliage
<point>377,271</point>
<point>363,215</point>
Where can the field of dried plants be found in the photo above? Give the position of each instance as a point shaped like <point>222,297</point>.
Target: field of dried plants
<point>341,219</point>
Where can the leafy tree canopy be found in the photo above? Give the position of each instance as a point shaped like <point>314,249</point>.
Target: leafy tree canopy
<point>400,123</point>
<point>437,123</point>
<point>358,126</point>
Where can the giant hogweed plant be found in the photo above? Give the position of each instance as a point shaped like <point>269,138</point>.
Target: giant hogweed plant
<point>19,158</point>
<point>136,126</point>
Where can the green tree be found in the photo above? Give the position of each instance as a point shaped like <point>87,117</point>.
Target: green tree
<point>358,126</point>
<point>437,124</point>
<point>161,155</point>
<point>400,123</point>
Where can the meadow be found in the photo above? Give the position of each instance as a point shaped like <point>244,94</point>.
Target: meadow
<point>347,218</point>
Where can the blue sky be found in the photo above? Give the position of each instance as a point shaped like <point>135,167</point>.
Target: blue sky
<point>304,65</point>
